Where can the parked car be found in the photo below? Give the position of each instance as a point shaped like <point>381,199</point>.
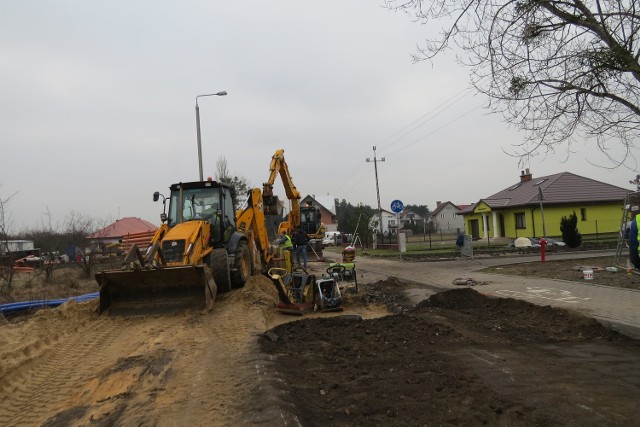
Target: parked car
<point>328,241</point>
<point>331,238</point>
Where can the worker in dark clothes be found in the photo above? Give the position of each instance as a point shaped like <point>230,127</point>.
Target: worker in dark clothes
<point>300,239</point>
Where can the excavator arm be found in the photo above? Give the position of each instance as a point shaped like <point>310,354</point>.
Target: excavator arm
<point>250,221</point>
<point>279,166</point>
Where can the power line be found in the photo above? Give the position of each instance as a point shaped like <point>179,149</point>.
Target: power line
<point>427,117</point>
<point>434,131</point>
<point>407,130</point>
<point>414,125</point>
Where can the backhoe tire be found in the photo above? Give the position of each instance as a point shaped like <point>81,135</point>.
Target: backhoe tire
<point>242,266</point>
<point>220,270</point>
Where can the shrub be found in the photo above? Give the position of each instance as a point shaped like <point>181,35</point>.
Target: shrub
<point>569,229</point>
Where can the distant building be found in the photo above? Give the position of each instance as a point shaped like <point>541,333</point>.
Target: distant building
<point>16,246</point>
<point>121,229</point>
<point>389,222</point>
<point>327,206</point>
<point>517,211</point>
<point>446,218</point>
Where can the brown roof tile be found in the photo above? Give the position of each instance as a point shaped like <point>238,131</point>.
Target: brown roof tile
<point>560,188</point>
<point>122,227</point>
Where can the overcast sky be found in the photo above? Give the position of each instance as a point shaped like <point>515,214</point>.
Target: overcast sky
<point>97,106</point>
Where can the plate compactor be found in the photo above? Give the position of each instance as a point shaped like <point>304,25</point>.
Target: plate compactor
<point>300,292</point>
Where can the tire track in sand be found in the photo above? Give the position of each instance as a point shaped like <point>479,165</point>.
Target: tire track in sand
<point>74,374</point>
<point>214,371</point>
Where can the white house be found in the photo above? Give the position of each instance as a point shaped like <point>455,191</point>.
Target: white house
<point>410,218</point>
<point>389,222</point>
<point>445,218</point>
<point>16,246</point>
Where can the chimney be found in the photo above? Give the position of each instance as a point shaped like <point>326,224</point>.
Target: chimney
<point>524,177</point>
<point>438,203</point>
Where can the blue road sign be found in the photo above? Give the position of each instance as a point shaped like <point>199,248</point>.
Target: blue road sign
<point>397,206</point>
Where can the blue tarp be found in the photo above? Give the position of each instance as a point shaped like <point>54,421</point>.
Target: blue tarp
<point>28,305</point>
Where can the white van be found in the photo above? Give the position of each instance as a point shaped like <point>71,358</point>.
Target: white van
<point>330,238</point>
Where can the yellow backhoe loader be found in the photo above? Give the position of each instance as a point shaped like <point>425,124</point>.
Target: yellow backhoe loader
<point>197,251</point>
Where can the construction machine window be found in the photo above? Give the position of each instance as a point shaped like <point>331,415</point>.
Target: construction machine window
<point>308,216</point>
<point>202,204</point>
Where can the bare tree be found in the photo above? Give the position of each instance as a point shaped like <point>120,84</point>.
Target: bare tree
<point>240,183</point>
<point>558,70</point>
<point>76,228</point>
<point>6,257</point>
<point>222,170</point>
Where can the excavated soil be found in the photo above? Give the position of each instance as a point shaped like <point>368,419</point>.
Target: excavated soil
<point>458,358</point>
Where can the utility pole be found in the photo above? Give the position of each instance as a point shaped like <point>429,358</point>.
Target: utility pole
<point>375,167</point>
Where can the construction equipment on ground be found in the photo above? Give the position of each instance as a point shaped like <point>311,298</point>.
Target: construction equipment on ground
<point>203,247</point>
<point>199,250</point>
<point>308,216</point>
<point>300,292</point>
<point>345,269</point>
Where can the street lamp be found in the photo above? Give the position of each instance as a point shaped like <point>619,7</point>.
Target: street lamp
<point>221,93</point>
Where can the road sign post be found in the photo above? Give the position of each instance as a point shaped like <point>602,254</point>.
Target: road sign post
<point>397,206</point>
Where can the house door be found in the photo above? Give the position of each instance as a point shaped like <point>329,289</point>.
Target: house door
<point>501,225</point>
<point>475,229</point>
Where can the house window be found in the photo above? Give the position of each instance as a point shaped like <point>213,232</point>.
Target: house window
<point>583,214</point>
<point>520,222</point>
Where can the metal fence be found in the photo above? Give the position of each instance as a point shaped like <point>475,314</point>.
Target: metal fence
<point>466,251</point>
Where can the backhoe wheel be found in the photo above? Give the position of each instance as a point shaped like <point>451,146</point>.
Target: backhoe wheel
<point>220,270</point>
<point>242,266</point>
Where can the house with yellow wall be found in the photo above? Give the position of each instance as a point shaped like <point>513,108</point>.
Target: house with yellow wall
<point>533,207</point>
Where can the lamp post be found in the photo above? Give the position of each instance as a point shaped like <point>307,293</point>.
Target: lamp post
<point>221,93</point>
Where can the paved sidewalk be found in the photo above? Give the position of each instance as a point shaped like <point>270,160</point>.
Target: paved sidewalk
<point>615,307</point>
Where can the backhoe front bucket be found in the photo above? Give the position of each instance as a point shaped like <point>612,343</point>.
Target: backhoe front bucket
<point>157,289</point>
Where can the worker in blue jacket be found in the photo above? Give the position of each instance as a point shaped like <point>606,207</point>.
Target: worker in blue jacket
<point>634,256</point>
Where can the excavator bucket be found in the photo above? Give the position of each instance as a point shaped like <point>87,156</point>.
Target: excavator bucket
<point>157,289</point>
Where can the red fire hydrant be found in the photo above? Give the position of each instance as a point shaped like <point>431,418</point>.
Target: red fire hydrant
<point>543,246</point>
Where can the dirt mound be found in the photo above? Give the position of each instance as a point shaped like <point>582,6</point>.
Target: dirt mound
<point>259,290</point>
<point>390,283</point>
<point>388,292</point>
<point>529,320</point>
<point>454,299</point>
<point>459,358</point>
